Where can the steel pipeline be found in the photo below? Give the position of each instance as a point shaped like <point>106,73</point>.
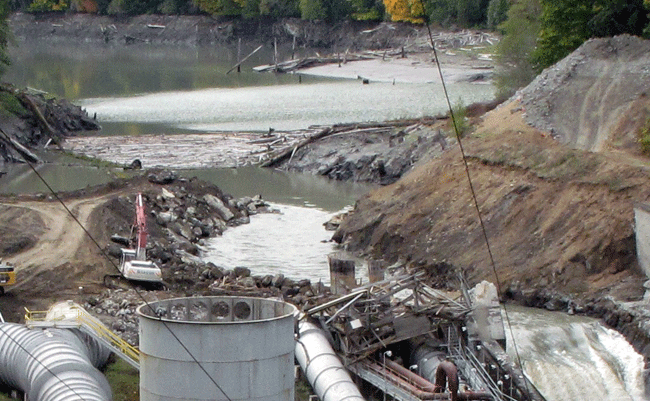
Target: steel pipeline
<point>325,372</point>
<point>53,364</point>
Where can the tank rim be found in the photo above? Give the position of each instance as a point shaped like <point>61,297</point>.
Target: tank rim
<point>140,310</point>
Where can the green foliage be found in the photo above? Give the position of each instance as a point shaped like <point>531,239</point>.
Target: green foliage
<point>10,105</point>
<point>280,8</point>
<point>48,5</point>
<point>514,51</point>
<point>566,24</point>
<point>249,8</point>
<point>219,7</point>
<point>5,35</point>
<point>312,10</point>
<point>469,13</point>
<point>644,137</point>
<point>368,10</point>
<point>459,118</point>
<point>497,13</point>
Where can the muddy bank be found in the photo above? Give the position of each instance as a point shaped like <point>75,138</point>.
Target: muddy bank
<point>195,30</point>
<point>347,36</point>
<point>559,221</point>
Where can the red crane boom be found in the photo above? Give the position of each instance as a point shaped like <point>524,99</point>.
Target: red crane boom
<point>141,227</point>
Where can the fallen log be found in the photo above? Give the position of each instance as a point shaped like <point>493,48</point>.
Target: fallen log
<point>244,59</point>
<point>20,149</point>
<point>29,103</point>
<point>287,152</point>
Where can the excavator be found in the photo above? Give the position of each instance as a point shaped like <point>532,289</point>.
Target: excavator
<point>134,265</point>
<point>7,276</point>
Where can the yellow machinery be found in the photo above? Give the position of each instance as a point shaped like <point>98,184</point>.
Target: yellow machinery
<point>7,276</point>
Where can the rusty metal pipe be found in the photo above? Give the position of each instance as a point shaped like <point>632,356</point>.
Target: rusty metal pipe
<point>421,387</point>
<point>420,381</point>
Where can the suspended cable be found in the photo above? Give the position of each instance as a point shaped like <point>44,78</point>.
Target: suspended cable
<point>471,187</point>
<point>112,263</point>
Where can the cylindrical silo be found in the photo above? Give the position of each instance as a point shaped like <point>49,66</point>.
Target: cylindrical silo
<point>245,344</point>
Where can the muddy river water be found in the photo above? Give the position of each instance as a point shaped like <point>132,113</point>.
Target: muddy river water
<point>141,90</point>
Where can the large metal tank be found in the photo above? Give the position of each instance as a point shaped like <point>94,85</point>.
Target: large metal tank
<point>245,345</point>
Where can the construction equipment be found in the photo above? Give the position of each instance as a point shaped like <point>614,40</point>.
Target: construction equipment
<point>134,265</point>
<point>7,276</point>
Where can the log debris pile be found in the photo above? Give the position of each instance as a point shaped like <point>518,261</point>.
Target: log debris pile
<point>293,65</point>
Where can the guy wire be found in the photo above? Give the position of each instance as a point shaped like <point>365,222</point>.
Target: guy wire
<point>471,186</point>
<point>56,195</point>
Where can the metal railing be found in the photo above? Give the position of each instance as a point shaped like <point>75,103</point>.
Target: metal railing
<point>81,319</point>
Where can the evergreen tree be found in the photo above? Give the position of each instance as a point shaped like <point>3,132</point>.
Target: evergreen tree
<point>566,24</point>
<point>497,13</point>
<point>515,50</point>
<point>5,35</point>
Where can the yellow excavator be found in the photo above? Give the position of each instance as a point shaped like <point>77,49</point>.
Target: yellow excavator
<point>7,276</point>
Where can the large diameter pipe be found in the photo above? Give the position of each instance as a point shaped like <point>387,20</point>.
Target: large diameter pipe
<point>52,364</point>
<point>322,367</point>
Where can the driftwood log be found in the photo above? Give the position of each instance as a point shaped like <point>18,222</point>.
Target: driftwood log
<point>10,143</point>
<point>338,129</point>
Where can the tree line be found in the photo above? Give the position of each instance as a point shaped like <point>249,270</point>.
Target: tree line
<point>536,33</point>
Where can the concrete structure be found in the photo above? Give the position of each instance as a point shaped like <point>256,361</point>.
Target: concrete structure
<point>642,230</point>
<point>245,345</point>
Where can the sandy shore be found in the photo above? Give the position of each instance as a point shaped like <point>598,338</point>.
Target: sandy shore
<point>415,68</point>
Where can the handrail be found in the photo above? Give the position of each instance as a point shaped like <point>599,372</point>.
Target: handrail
<point>466,355</point>
<point>103,332</point>
<point>92,326</point>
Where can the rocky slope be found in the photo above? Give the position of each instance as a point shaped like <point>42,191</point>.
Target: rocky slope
<point>559,221</point>
<point>30,120</point>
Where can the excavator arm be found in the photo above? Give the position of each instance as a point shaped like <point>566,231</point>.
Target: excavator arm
<point>141,228</point>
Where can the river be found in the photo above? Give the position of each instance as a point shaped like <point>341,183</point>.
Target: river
<point>141,90</point>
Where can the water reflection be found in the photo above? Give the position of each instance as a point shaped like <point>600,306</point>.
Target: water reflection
<point>282,187</point>
<point>98,70</point>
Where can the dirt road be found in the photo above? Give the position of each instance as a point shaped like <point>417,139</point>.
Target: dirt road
<point>52,251</point>
<point>65,238</point>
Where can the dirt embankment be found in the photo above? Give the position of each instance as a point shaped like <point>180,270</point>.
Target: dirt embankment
<point>559,220</point>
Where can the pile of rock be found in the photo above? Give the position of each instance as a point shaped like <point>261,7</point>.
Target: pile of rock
<point>181,215</point>
<point>116,308</point>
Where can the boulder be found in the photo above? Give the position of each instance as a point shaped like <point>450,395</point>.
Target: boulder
<point>216,203</point>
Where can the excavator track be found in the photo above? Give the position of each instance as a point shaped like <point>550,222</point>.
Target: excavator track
<point>116,281</point>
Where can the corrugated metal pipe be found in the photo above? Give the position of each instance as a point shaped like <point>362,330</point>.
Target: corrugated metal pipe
<point>53,364</point>
<point>324,370</point>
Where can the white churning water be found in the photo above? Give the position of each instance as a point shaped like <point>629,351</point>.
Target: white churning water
<point>575,358</point>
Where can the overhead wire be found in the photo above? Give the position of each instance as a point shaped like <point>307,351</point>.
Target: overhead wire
<point>112,263</point>
<point>471,186</point>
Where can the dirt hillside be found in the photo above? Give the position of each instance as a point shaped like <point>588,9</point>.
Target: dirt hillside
<point>558,219</point>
